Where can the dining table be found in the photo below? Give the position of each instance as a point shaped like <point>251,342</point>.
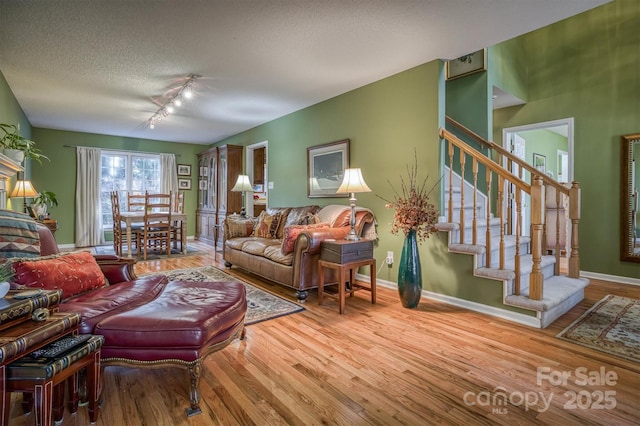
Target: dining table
<point>131,217</point>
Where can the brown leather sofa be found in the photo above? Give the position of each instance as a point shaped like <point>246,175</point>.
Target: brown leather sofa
<point>152,322</point>
<point>298,269</point>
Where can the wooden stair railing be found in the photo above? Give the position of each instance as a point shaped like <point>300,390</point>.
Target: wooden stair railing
<point>515,187</point>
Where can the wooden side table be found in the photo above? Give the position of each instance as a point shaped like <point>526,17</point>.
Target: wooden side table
<point>26,337</point>
<point>343,277</point>
<point>44,378</point>
<point>52,224</point>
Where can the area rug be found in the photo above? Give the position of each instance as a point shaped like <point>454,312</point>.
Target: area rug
<point>151,255</point>
<point>261,305</point>
<point>612,326</point>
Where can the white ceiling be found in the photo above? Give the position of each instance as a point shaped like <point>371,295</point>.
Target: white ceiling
<point>105,66</point>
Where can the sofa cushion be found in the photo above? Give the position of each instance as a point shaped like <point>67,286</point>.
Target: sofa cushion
<point>274,253</point>
<point>257,246</point>
<point>298,215</point>
<point>238,226</point>
<point>73,273</point>
<point>291,234</point>
<point>104,302</point>
<point>267,225</point>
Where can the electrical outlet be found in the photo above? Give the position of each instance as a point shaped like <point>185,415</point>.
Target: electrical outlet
<point>389,258</point>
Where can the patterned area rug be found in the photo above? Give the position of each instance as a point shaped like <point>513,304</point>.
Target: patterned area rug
<point>261,305</point>
<point>151,255</point>
<point>612,325</point>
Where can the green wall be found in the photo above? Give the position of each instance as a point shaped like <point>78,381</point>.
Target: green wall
<point>10,110</point>
<point>547,143</point>
<point>12,113</point>
<point>59,175</point>
<point>588,67</point>
<point>385,122</point>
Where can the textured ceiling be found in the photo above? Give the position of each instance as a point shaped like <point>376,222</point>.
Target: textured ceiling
<point>105,66</point>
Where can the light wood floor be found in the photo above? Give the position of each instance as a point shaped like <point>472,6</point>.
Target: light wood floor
<point>377,364</point>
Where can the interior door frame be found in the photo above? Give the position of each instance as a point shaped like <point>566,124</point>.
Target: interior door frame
<point>507,131</point>
<point>543,125</point>
<point>249,171</point>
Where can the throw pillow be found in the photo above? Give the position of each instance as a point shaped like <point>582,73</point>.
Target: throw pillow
<point>267,225</point>
<point>18,235</point>
<point>73,273</point>
<point>291,233</point>
<point>238,226</point>
<point>311,219</point>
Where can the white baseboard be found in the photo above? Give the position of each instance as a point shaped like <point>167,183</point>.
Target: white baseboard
<point>531,321</point>
<point>606,277</point>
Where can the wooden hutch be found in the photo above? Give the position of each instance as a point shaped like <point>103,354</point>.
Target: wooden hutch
<point>218,170</point>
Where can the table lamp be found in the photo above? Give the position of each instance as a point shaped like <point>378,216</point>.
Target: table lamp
<point>243,185</point>
<point>353,182</point>
<point>24,189</point>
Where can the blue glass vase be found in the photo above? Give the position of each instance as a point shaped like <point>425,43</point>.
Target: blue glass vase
<point>410,272</point>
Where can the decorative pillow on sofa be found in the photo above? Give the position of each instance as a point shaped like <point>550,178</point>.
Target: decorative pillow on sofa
<point>267,225</point>
<point>73,273</point>
<point>238,226</point>
<point>291,234</point>
<point>18,235</point>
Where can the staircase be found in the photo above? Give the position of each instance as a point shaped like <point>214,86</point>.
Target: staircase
<point>531,279</point>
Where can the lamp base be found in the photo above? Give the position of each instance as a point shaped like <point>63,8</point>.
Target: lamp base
<point>352,236</point>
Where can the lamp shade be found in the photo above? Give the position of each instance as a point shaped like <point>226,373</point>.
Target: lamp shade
<point>353,182</point>
<point>24,189</point>
<point>242,184</point>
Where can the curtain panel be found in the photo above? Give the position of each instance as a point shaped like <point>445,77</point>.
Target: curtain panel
<point>168,173</point>
<point>88,203</point>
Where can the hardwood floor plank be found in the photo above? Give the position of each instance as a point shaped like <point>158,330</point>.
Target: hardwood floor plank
<point>377,364</point>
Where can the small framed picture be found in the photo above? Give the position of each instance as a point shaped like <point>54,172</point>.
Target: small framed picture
<point>540,162</point>
<point>467,64</point>
<point>202,184</point>
<point>184,183</point>
<point>32,212</point>
<point>184,169</point>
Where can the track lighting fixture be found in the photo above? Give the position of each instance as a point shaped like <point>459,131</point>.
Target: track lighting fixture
<point>185,92</point>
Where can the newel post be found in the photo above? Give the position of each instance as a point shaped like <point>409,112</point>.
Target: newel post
<point>574,216</point>
<point>536,279</point>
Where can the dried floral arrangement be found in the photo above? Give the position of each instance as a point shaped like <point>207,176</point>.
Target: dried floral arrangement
<point>413,211</point>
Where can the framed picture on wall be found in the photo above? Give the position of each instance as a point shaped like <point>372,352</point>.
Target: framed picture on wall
<point>325,168</point>
<point>184,169</point>
<point>540,162</point>
<point>467,64</point>
<point>184,183</point>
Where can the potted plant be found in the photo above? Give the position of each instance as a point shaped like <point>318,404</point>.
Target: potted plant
<point>11,140</point>
<point>43,202</point>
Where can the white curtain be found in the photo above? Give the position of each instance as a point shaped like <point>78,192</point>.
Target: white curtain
<point>88,203</point>
<point>168,173</point>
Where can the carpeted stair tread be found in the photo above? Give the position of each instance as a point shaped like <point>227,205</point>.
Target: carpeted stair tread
<point>508,273</point>
<point>555,291</point>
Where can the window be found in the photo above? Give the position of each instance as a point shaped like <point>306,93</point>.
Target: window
<point>126,172</point>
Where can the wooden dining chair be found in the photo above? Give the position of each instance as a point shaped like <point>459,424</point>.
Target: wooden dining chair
<point>178,225</point>
<point>135,201</point>
<point>119,230</point>
<point>117,225</point>
<point>157,225</point>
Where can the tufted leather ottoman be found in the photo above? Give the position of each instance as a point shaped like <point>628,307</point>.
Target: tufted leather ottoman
<point>185,323</point>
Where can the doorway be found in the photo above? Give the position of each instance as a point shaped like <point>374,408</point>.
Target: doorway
<point>256,168</point>
<point>548,146</point>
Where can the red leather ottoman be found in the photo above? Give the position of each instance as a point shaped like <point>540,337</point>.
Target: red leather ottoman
<point>185,323</point>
